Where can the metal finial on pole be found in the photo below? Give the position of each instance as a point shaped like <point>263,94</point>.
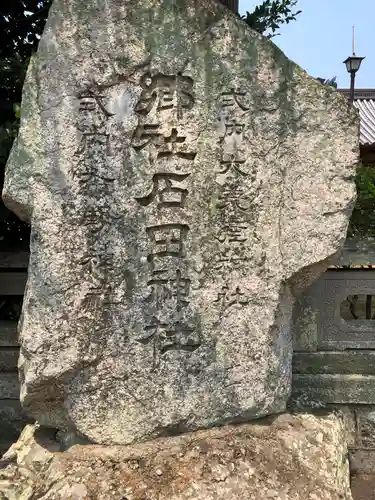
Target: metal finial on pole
<point>353,40</point>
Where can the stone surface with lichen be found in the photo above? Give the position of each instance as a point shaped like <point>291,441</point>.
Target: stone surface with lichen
<point>184,181</point>
<point>293,457</point>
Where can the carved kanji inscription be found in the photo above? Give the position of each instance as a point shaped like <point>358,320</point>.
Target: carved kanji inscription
<point>165,92</point>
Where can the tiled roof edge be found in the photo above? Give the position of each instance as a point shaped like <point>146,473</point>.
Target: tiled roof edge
<point>359,93</point>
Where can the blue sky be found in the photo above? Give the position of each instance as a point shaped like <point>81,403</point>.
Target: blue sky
<point>320,39</point>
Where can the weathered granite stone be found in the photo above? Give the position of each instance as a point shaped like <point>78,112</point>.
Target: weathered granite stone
<point>301,457</point>
<point>183,180</point>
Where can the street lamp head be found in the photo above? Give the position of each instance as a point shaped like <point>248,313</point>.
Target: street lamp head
<point>353,63</point>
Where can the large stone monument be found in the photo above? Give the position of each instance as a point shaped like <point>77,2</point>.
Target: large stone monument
<point>183,180</point>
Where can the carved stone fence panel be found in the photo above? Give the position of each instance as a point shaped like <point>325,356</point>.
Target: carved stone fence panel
<point>334,332</point>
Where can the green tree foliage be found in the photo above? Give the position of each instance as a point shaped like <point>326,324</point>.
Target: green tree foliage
<point>21,24</point>
<point>270,15</point>
<point>362,222</point>
<point>331,82</point>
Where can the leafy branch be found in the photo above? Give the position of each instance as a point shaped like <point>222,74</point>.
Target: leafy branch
<point>271,14</point>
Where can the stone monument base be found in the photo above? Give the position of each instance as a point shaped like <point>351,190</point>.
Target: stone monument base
<point>290,457</point>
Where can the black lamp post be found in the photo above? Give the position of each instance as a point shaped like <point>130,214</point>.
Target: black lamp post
<point>353,64</point>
